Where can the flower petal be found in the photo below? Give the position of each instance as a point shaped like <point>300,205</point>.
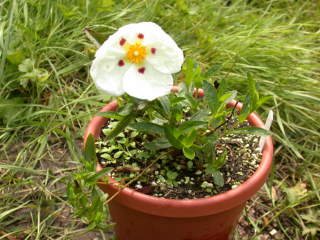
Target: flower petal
<point>107,75</point>
<point>148,85</point>
<point>128,32</point>
<point>168,57</point>
<point>111,47</point>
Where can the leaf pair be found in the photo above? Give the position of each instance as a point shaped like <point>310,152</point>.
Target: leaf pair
<point>252,101</point>
<point>217,98</point>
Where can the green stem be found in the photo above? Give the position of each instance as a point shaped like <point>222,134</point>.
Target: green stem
<point>124,122</point>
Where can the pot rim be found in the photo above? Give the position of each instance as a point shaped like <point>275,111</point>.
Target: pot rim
<point>187,207</point>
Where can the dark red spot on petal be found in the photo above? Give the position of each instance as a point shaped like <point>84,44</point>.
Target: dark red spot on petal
<point>121,63</point>
<point>140,35</point>
<point>122,41</point>
<point>141,70</point>
<point>153,50</point>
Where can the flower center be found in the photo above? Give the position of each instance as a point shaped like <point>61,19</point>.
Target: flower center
<point>136,53</point>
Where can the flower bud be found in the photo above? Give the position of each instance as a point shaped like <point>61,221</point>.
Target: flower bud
<point>198,93</point>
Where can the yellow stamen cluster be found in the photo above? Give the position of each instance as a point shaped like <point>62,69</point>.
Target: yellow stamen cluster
<point>136,53</point>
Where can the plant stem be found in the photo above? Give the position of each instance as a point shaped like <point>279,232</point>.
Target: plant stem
<point>222,124</point>
<point>228,119</point>
<point>134,111</point>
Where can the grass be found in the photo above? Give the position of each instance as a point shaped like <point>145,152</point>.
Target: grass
<point>47,101</point>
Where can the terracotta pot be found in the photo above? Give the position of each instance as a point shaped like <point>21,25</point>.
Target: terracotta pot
<point>142,217</point>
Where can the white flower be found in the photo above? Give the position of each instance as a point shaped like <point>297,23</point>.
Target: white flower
<point>138,60</point>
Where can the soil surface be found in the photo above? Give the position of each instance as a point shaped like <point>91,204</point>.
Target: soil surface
<point>168,174</point>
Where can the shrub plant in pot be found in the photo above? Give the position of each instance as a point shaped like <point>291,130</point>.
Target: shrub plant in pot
<point>180,162</point>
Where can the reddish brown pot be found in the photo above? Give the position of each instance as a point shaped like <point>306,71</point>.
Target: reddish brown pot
<point>142,217</point>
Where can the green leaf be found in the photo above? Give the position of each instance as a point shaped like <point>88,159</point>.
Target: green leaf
<point>210,169</point>
<point>252,131</point>
<point>222,87</point>
<point>148,127</point>
<point>200,115</point>
<point>189,139</point>
<point>190,124</point>
<point>176,132</point>
<point>16,57</point>
<point>106,156</point>
<point>192,73</point>
<point>70,192</point>
<point>176,100</point>
<point>110,114</point>
<point>169,133</point>
<point>211,96</point>
<point>198,79</point>
<point>90,153</point>
<point>252,101</point>
<point>188,71</point>
<point>42,75</point>
<point>189,164</point>
<point>254,95</point>
<point>220,160</point>
<point>101,173</point>
<point>157,144</point>
<point>165,103</point>
<point>245,111</point>
<point>37,75</point>
<point>188,153</point>
<point>218,178</point>
<point>263,100</point>
<point>228,96</point>
<point>217,175</point>
<point>208,151</point>
<point>26,66</point>
<point>123,123</point>
<point>118,154</point>
<point>172,175</point>
<point>176,113</point>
